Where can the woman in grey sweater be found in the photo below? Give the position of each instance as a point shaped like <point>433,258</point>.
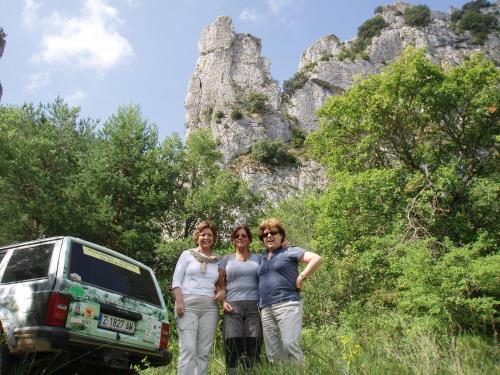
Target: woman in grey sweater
<point>242,328</point>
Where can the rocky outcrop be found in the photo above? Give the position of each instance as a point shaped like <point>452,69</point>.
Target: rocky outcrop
<point>231,75</point>
<point>2,47</point>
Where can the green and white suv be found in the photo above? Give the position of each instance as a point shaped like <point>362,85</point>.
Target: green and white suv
<point>72,306</point>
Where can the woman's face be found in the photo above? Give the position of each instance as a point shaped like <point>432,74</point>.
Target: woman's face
<point>240,239</point>
<point>206,238</point>
<point>272,238</point>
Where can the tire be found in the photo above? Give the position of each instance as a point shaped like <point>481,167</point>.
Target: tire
<point>6,360</point>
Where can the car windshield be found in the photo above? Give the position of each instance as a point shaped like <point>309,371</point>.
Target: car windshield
<point>109,272</point>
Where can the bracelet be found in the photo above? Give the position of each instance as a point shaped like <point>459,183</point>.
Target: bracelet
<point>304,277</point>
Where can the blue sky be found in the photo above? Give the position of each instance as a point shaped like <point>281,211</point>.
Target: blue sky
<point>103,54</point>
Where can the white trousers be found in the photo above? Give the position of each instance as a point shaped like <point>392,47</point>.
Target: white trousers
<point>282,328</point>
<point>196,330</point>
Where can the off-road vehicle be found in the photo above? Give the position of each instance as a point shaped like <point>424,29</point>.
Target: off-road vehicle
<point>71,306</point>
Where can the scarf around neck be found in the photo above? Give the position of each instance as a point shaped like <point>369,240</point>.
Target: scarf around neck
<point>204,259</point>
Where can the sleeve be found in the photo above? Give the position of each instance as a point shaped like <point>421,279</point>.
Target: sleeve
<point>223,262</point>
<point>296,253</point>
<point>180,270</point>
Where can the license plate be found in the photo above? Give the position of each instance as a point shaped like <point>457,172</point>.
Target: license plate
<point>117,324</point>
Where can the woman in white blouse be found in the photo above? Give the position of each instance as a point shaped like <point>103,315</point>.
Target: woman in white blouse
<point>196,310</point>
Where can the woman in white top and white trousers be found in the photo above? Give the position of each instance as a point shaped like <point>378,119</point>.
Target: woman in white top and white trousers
<point>196,310</point>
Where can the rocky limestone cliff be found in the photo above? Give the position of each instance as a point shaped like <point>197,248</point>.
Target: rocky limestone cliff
<point>2,47</point>
<point>230,70</point>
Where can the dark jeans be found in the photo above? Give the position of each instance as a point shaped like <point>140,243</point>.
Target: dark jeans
<point>242,331</point>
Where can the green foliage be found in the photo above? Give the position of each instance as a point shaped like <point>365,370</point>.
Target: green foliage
<point>300,78</point>
<point>418,16</point>
<point>256,102</point>
<point>470,18</point>
<point>272,153</point>
<point>298,137</point>
<point>207,114</point>
<point>378,9</point>
<point>203,190</point>
<point>369,29</point>
<point>42,154</point>
<point>236,114</point>
<point>219,115</point>
<point>297,82</point>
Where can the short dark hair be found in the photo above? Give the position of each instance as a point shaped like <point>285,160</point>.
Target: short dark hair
<point>245,228</point>
<point>203,225</point>
<point>271,223</point>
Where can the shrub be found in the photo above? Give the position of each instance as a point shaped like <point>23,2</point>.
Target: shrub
<point>256,103</point>
<point>298,81</point>
<point>298,137</point>
<point>236,114</point>
<point>219,115</point>
<point>471,19</point>
<point>378,9</point>
<point>477,22</point>
<point>367,31</point>
<point>207,114</point>
<point>418,16</point>
<point>272,153</point>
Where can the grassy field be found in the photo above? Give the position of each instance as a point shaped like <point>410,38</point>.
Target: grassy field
<point>328,352</point>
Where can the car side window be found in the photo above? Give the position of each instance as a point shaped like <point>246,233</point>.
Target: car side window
<point>2,254</point>
<point>28,263</point>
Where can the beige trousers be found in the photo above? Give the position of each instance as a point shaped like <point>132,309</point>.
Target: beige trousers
<point>282,327</point>
<point>196,331</point>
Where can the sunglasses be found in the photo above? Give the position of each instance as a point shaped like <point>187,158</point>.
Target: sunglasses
<point>243,235</point>
<point>273,232</point>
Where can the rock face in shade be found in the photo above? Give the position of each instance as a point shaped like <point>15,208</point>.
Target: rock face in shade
<point>230,71</point>
<point>2,47</point>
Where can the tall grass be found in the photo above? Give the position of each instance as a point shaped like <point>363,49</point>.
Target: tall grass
<point>329,351</point>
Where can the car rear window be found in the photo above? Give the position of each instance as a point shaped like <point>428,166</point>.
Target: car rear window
<point>106,271</point>
<point>28,263</point>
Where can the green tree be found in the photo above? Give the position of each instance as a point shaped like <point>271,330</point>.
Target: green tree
<point>408,219</point>
<point>204,191</point>
<point>118,185</point>
<point>42,149</point>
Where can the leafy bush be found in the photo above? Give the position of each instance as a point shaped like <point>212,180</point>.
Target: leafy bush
<point>272,153</point>
<point>378,9</point>
<point>477,22</point>
<point>297,82</point>
<point>236,114</point>
<point>219,115</point>
<point>256,102</point>
<point>298,137</point>
<point>417,16</point>
<point>207,114</point>
<point>368,30</point>
<point>470,18</point>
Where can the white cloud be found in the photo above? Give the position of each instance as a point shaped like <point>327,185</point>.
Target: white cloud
<point>277,11</point>
<point>89,40</point>
<point>250,15</point>
<point>37,80</point>
<point>75,97</point>
<point>30,14</point>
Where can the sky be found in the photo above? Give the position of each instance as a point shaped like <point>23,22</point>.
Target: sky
<point>100,55</point>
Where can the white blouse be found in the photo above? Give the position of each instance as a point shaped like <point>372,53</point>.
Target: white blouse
<point>191,280</point>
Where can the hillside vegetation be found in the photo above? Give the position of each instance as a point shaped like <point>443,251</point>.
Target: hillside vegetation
<point>408,224</point>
